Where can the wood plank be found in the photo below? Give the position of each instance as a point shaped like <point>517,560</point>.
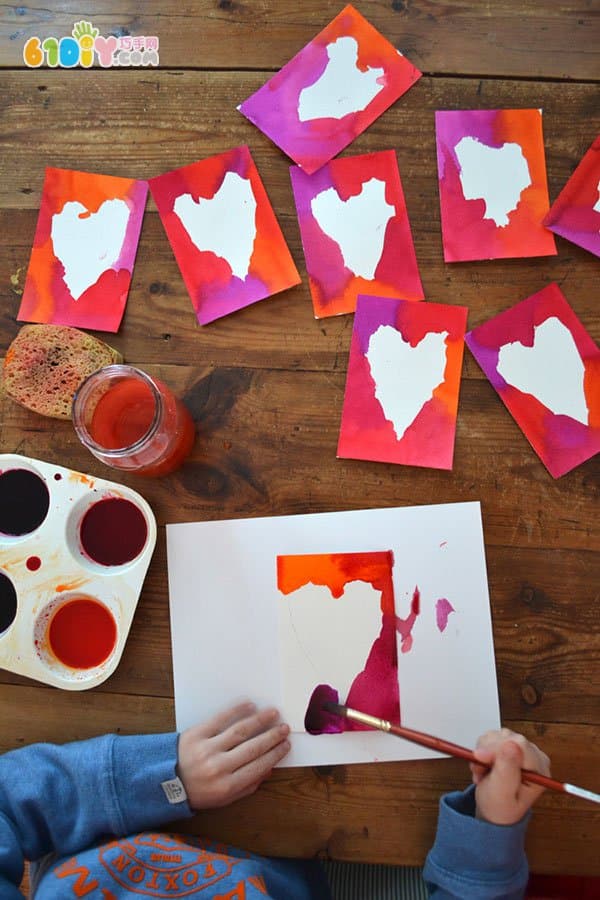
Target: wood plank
<point>507,38</point>
<point>341,812</point>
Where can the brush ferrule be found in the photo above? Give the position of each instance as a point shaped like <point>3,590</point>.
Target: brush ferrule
<point>366,719</point>
<point>582,792</point>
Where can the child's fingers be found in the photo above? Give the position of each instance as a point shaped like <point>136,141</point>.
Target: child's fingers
<point>246,728</point>
<point>257,770</point>
<point>478,772</point>
<point>255,747</point>
<point>223,720</point>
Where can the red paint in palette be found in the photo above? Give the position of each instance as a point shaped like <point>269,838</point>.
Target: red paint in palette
<point>113,532</point>
<point>82,633</point>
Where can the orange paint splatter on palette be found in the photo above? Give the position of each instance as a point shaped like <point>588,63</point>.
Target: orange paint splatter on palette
<point>375,688</point>
<point>375,425</point>
<point>215,290</point>
<point>60,289</point>
<point>470,228</point>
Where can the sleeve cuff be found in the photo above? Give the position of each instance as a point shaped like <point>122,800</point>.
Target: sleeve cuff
<point>140,765</point>
<point>469,853</point>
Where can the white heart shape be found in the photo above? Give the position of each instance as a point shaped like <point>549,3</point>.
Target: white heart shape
<point>405,377</point>
<point>324,640</point>
<point>551,370</point>
<point>225,224</point>
<point>357,225</point>
<point>342,88</point>
<point>496,175</point>
<point>88,246</point>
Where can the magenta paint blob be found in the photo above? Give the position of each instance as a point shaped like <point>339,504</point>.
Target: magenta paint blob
<point>8,602</point>
<point>33,563</point>
<point>319,720</point>
<point>24,502</point>
<point>443,608</point>
<point>113,532</point>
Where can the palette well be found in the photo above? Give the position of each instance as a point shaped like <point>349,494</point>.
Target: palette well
<point>74,551</point>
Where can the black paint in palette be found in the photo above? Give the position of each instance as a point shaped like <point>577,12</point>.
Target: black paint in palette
<point>8,602</point>
<point>24,502</point>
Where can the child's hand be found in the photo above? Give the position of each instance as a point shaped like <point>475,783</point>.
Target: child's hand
<point>227,757</point>
<point>500,796</point>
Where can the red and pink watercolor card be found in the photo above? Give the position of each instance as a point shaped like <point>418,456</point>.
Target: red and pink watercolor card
<point>83,250</point>
<point>546,369</point>
<point>403,381</point>
<point>355,232</point>
<point>575,214</point>
<point>226,239</point>
<point>493,187</point>
<point>331,91</point>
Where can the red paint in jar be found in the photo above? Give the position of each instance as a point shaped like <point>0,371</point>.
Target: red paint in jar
<point>82,633</point>
<point>131,421</point>
<point>113,532</point>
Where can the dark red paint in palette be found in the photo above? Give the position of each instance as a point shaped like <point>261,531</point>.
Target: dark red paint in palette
<point>74,551</point>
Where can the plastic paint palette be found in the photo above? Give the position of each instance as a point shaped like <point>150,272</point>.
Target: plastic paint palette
<point>74,551</point>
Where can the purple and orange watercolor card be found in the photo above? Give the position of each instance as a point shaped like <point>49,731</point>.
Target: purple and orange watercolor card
<point>575,214</point>
<point>401,397</point>
<point>331,91</point>
<point>492,181</point>
<point>224,233</point>
<point>355,232</point>
<point>84,249</point>
<point>546,369</point>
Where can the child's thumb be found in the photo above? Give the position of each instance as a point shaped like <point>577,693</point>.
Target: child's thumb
<point>507,766</point>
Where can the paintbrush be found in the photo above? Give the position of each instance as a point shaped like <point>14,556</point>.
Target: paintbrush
<point>434,743</point>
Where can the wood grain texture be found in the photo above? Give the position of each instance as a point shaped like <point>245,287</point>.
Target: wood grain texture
<point>266,384</point>
<point>541,40</point>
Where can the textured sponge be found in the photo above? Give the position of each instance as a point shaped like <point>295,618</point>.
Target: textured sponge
<point>45,364</point>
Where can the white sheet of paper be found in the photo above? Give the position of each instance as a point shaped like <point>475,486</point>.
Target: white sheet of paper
<point>324,640</point>
<point>224,625</point>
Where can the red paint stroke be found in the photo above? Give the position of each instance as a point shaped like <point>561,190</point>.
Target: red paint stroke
<point>443,608</point>
<point>375,689</point>
<point>404,627</point>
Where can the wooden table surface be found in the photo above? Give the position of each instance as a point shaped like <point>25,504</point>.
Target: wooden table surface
<point>265,385</point>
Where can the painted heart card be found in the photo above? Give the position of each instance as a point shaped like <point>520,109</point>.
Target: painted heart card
<point>226,239</point>
<point>575,214</point>
<point>403,381</point>
<point>355,232</point>
<point>492,181</point>
<point>546,369</point>
<point>84,249</point>
<point>331,91</point>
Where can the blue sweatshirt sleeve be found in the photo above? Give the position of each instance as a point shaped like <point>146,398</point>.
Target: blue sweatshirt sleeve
<point>63,798</point>
<point>475,859</point>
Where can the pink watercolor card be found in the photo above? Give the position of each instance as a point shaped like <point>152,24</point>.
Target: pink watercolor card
<point>403,380</point>
<point>493,187</point>
<point>355,232</point>
<point>226,239</point>
<point>546,369</point>
<point>387,607</point>
<point>84,249</point>
<point>331,91</point>
<point>575,214</point>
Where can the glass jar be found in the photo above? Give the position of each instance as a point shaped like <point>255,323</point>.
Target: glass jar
<point>133,422</point>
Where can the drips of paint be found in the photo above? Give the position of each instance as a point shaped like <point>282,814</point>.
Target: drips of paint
<point>113,531</point>
<point>443,608</point>
<point>319,720</point>
<point>24,502</point>
<point>33,563</point>
<point>58,476</point>
<point>404,627</point>
<point>82,633</point>
<point>8,602</point>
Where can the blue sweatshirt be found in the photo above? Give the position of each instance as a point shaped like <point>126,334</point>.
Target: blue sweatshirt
<point>97,807</point>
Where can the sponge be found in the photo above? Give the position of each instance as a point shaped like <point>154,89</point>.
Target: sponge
<point>45,364</point>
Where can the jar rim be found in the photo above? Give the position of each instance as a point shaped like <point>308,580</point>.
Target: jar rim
<point>83,392</point>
